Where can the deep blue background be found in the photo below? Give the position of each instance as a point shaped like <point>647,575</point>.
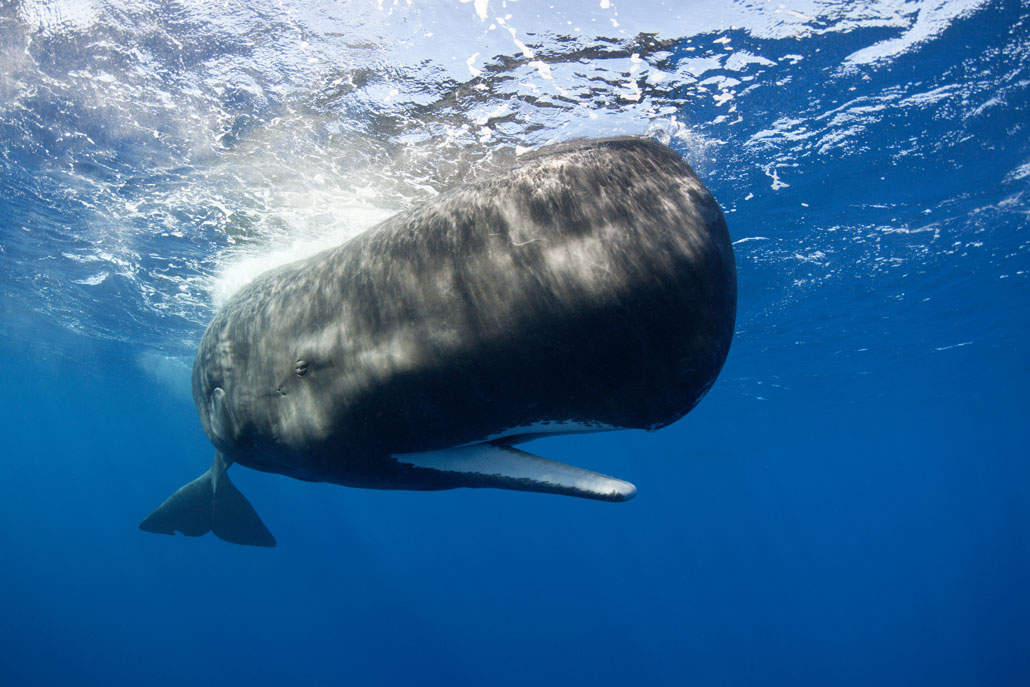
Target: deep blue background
<point>873,530</point>
<point>850,505</point>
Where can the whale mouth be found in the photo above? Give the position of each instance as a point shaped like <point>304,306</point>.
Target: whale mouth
<point>542,428</point>
<point>501,466</point>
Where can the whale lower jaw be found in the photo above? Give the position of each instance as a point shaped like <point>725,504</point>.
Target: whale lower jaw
<point>501,466</point>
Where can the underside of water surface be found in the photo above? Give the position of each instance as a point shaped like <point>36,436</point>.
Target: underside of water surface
<point>847,506</point>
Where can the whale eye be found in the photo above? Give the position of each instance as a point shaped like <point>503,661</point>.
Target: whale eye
<point>301,367</point>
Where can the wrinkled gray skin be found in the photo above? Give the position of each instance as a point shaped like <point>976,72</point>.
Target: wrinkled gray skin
<point>590,287</point>
<point>593,282</point>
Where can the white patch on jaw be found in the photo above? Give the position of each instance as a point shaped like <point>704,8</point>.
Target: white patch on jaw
<point>550,427</point>
<point>511,468</point>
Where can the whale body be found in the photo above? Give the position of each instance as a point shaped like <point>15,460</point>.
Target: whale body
<point>591,287</point>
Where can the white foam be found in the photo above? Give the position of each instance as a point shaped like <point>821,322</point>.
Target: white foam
<point>243,267</point>
<point>931,19</point>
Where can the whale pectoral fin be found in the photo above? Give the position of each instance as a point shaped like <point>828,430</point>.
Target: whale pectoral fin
<point>210,503</point>
<point>501,466</point>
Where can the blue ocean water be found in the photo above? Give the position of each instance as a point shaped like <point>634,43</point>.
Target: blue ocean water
<point>849,505</point>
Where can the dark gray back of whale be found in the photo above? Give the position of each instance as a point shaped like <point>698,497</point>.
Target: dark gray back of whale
<point>592,284</point>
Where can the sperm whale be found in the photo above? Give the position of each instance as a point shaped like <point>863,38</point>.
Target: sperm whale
<point>591,287</point>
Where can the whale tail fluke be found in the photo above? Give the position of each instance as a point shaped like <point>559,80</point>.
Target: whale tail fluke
<point>210,503</point>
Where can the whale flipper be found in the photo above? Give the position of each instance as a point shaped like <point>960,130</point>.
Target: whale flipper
<point>499,465</point>
<point>210,503</point>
